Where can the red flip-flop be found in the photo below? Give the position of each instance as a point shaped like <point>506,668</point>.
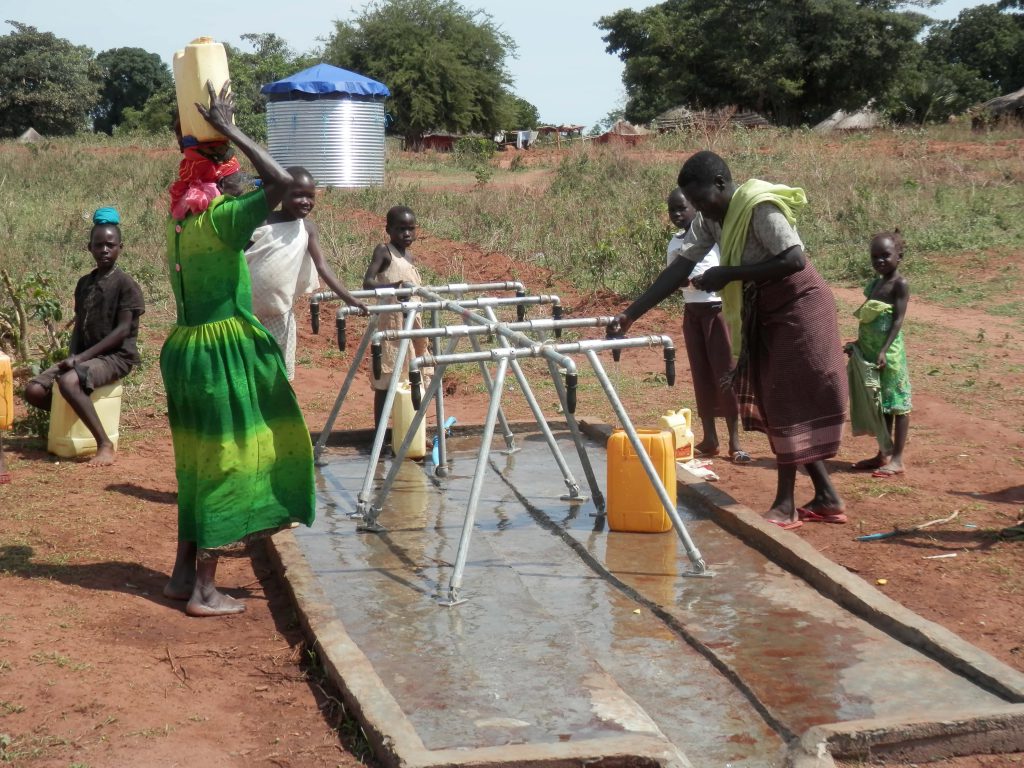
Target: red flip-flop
<point>786,525</point>
<point>830,516</point>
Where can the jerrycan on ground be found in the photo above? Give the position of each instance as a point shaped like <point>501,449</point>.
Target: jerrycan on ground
<point>633,504</point>
<point>201,60</point>
<point>68,436</point>
<point>680,425</point>
<point>401,419</point>
<point>6,392</point>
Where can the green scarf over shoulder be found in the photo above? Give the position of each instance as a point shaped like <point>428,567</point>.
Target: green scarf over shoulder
<point>734,239</point>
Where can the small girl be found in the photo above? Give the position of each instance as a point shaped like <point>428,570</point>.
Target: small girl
<point>285,261</point>
<point>880,341</point>
<point>391,266</point>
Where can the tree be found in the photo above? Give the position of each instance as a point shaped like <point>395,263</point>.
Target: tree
<point>984,39</point>
<point>130,77</point>
<point>445,65</point>
<point>270,60</point>
<point>794,60</point>
<point>46,83</point>
<point>155,116</point>
<point>520,114</point>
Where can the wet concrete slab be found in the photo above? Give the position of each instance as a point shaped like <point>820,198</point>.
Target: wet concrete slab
<point>576,635</point>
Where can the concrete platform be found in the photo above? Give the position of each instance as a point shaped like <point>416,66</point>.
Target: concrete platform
<point>581,646</point>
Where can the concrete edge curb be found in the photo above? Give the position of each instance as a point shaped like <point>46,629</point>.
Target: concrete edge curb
<point>996,730</point>
<point>390,733</point>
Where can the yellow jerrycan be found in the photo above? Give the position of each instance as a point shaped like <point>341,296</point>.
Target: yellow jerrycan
<point>68,436</point>
<point>201,60</point>
<point>401,419</point>
<point>680,425</point>
<point>633,503</point>
<point>6,392</point>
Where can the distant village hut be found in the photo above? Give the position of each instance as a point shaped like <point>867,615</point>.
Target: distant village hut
<point>331,122</point>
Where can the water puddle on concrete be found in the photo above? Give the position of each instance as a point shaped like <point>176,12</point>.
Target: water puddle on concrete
<point>572,632</point>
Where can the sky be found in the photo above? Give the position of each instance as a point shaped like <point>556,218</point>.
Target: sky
<point>561,66</point>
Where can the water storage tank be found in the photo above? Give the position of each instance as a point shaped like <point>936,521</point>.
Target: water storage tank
<point>331,122</point>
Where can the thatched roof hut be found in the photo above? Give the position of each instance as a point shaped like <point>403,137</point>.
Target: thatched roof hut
<point>682,117</point>
<point>1010,106</point>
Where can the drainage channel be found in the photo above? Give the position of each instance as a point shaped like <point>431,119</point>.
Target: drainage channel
<point>576,634</point>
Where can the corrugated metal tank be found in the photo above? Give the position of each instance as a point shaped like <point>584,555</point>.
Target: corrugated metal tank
<point>339,139</point>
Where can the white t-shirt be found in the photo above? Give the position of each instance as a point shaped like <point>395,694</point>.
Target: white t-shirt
<point>690,294</point>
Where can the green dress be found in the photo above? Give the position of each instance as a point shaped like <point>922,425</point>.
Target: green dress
<point>242,452</point>
<point>875,323</point>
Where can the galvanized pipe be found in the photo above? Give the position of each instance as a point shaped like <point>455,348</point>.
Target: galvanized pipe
<point>455,582</point>
<point>353,370</point>
<point>699,567</point>
<point>573,487</point>
<point>389,399</point>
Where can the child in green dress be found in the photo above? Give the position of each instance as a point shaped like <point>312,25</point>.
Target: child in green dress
<point>880,340</point>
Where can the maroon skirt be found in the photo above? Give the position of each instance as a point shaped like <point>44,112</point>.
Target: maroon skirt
<point>792,385</point>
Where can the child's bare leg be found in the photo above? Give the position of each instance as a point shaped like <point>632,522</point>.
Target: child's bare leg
<point>900,428</point>
<point>709,442</point>
<point>826,499</point>
<point>183,577</point>
<point>784,507</point>
<point>206,599</point>
<point>733,424</point>
<point>82,405</point>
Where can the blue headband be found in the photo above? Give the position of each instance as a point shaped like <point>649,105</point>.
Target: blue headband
<point>106,216</point>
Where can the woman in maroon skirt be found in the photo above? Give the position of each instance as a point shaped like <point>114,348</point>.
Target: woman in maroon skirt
<point>790,375</point>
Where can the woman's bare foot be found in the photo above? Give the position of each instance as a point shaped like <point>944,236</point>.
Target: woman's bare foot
<point>212,602</point>
<point>104,456</point>
<point>179,589</point>
<point>873,463</point>
<point>893,467</point>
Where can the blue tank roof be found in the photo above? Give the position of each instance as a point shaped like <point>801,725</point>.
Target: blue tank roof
<point>326,79</point>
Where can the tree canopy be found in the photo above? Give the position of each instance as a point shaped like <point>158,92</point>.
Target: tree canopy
<point>46,83</point>
<point>445,65</point>
<point>130,77</point>
<point>793,60</point>
<point>270,60</point>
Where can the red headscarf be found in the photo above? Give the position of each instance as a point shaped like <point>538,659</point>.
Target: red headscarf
<point>201,167</point>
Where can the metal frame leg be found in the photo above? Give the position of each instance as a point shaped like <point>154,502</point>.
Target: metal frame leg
<point>441,468</point>
<point>699,568</point>
<point>573,496</point>
<point>506,430</point>
<point>353,370</point>
<point>455,582</point>
<point>389,401</point>
<point>577,438</point>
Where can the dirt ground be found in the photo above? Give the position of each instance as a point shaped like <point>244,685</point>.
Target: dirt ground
<point>98,669</point>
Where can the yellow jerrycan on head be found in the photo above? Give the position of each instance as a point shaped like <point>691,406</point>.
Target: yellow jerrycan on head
<point>200,61</point>
<point>6,392</point>
<point>633,503</point>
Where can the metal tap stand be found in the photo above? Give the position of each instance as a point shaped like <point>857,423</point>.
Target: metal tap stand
<point>503,356</point>
<point>519,301</point>
<point>454,332</point>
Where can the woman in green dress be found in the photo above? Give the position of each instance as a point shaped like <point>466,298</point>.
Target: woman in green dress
<point>242,452</point>
<point>880,341</point>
